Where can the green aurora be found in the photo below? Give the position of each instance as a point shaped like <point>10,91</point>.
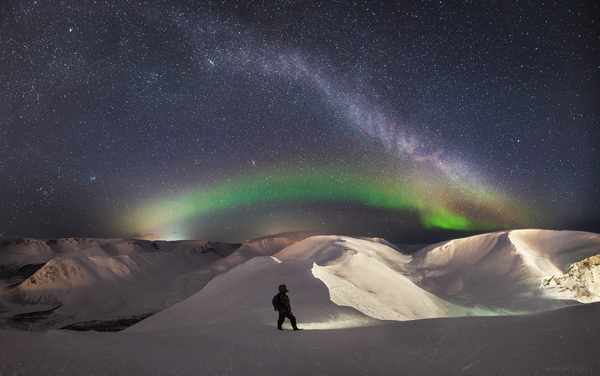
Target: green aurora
<point>406,194</point>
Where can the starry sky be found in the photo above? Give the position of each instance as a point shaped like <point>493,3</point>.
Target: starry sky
<point>413,121</point>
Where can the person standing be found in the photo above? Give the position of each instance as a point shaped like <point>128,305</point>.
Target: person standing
<point>285,309</point>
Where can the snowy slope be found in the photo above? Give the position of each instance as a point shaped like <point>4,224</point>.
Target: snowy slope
<point>581,282</point>
<point>23,251</point>
<point>559,342</point>
<point>92,279</point>
<point>228,327</point>
<point>266,246</point>
<point>244,295</point>
<point>482,275</point>
<point>370,276</point>
<point>92,287</point>
<point>109,279</point>
<point>17,252</point>
<point>491,274</point>
<point>504,269</point>
<point>197,279</point>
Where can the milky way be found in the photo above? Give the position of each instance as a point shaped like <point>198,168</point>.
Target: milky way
<point>226,121</point>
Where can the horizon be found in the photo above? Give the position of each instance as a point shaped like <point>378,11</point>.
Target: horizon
<point>434,238</point>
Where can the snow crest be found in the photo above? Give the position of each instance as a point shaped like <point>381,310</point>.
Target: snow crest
<point>355,298</point>
<point>362,278</point>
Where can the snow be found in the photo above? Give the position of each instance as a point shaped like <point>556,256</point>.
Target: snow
<point>19,252</point>
<point>105,279</point>
<point>347,266</point>
<point>581,283</point>
<point>502,270</point>
<point>365,307</point>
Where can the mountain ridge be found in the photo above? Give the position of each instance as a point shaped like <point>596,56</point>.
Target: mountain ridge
<point>504,272</point>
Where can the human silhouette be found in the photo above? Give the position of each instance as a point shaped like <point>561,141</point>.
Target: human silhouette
<point>285,308</point>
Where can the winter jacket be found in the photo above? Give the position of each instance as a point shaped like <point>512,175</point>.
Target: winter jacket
<point>285,303</point>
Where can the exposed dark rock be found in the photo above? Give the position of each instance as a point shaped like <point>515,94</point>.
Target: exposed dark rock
<point>116,325</point>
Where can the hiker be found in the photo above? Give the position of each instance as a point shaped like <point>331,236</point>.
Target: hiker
<point>284,308</point>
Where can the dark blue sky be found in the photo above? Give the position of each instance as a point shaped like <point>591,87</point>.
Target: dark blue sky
<point>408,121</point>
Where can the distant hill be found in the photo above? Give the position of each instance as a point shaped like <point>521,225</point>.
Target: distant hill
<point>55,283</point>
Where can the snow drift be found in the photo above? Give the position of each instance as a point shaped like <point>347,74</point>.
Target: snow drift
<point>356,299</point>
<point>491,274</point>
<point>503,270</point>
<point>80,280</point>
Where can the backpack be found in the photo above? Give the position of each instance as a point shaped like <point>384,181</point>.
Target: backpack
<point>276,302</point>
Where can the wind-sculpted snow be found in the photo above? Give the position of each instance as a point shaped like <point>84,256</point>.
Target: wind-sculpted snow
<point>92,287</point>
<point>368,276</point>
<point>23,251</point>
<point>561,248</point>
<point>96,279</point>
<point>504,269</point>
<point>259,247</point>
<point>581,282</point>
<point>482,275</point>
<point>244,293</point>
<point>491,274</point>
<point>355,298</point>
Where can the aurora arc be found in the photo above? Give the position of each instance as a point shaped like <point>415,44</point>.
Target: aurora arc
<point>444,194</point>
<point>307,184</point>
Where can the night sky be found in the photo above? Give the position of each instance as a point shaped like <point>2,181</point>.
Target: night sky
<point>228,120</point>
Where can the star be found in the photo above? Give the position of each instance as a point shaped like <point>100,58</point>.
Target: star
<point>224,120</point>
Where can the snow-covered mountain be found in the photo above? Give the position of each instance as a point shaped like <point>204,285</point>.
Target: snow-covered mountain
<point>504,270</point>
<point>497,273</point>
<point>361,302</point>
<point>492,274</point>
<point>57,282</point>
